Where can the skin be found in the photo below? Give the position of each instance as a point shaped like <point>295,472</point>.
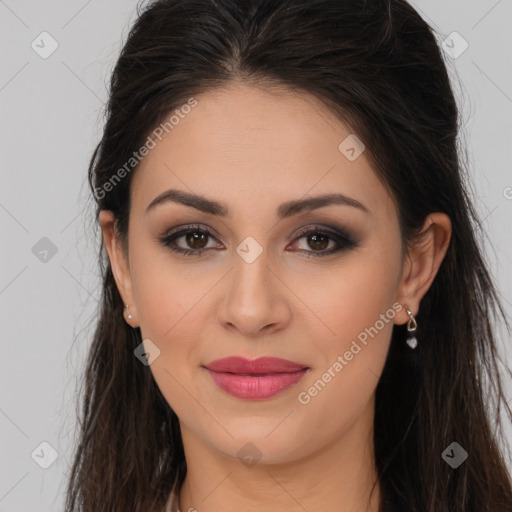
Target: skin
<point>253,149</point>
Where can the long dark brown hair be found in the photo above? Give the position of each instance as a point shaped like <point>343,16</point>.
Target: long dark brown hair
<point>377,66</point>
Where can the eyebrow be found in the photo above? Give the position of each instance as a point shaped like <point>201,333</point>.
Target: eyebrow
<point>286,209</point>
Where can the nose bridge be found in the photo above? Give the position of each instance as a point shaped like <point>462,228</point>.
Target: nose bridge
<point>253,298</point>
<point>250,278</point>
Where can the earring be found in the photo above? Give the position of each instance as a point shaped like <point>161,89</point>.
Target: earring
<point>126,310</point>
<point>411,328</point>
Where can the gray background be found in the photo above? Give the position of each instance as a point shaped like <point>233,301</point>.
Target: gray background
<point>51,112</point>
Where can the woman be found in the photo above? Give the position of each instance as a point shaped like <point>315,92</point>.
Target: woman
<point>296,312</point>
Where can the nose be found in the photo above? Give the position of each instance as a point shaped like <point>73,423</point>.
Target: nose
<point>255,301</point>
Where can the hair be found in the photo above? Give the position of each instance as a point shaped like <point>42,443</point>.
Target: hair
<point>377,67</point>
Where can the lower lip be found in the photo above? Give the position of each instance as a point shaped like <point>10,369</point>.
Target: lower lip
<point>256,387</point>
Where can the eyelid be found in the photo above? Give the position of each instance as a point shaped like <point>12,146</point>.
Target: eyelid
<point>340,232</point>
<point>179,231</point>
<point>185,228</point>
<point>343,239</point>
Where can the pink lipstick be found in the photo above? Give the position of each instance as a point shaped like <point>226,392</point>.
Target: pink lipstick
<point>255,379</point>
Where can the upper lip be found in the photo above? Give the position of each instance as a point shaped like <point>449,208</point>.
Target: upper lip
<point>237,364</point>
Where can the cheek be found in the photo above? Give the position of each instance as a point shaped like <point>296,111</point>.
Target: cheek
<point>165,290</point>
<point>170,309</point>
<point>347,300</point>
<point>355,304</point>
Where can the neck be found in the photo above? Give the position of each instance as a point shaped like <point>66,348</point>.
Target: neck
<point>339,477</point>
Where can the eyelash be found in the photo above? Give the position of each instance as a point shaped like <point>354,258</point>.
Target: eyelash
<point>344,242</point>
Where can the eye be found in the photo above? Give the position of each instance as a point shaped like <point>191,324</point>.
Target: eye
<point>316,238</point>
<point>193,235</point>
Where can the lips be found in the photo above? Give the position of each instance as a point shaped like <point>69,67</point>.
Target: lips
<point>255,379</point>
<point>263,365</point>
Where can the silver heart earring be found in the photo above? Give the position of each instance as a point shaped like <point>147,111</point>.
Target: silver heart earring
<point>411,328</point>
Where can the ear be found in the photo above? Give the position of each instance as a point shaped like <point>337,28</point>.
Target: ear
<point>422,263</point>
<point>118,257</point>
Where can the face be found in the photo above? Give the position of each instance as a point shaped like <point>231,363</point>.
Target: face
<point>248,282</point>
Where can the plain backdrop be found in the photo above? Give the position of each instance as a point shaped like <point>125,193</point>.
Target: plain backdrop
<point>51,119</point>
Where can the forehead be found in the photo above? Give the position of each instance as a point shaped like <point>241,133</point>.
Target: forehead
<point>253,147</point>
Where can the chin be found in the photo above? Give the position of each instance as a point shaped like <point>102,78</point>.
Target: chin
<point>259,441</point>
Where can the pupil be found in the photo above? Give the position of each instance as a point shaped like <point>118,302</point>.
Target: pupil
<point>193,238</point>
<point>315,241</point>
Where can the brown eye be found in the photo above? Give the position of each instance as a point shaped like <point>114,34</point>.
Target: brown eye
<point>196,239</point>
<point>318,240</point>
